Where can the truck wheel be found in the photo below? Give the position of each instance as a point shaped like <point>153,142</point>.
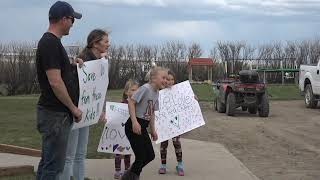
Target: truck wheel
<point>264,106</point>
<point>220,106</point>
<point>252,110</point>
<point>231,104</point>
<point>309,97</point>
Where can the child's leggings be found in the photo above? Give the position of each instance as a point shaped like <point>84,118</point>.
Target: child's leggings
<point>117,161</point>
<point>177,146</point>
<point>141,145</point>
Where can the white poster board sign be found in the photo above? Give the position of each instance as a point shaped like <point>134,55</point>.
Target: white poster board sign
<point>93,84</point>
<point>113,139</point>
<point>179,112</point>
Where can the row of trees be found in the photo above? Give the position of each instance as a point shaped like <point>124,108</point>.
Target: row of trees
<point>18,68</point>
<point>290,54</point>
<point>18,72</point>
<point>135,60</point>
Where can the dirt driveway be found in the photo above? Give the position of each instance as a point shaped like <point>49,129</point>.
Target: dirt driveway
<point>285,146</point>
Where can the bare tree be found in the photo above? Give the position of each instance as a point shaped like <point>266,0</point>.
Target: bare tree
<point>290,51</point>
<point>115,56</point>
<point>18,71</point>
<point>235,49</point>
<point>2,63</point>
<point>223,51</point>
<point>248,52</point>
<point>11,73</point>
<point>173,56</point>
<point>314,51</point>
<point>230,53</point>
<point>194,51</point>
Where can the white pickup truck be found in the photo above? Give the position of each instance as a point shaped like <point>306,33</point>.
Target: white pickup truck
<point>309,83</point>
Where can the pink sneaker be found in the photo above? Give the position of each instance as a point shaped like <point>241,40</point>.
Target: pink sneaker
<point>162,170</point>
<point>117,175</point>
<point>180,171</point>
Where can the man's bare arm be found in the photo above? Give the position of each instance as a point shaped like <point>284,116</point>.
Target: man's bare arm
<point>60,90</point>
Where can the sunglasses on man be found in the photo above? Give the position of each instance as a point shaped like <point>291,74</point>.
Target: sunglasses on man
<point>70,17</point>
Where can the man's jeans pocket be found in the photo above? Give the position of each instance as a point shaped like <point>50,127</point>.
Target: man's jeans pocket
<point>52,123</point>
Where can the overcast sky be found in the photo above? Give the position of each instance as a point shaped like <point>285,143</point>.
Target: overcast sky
<point>157,21</point>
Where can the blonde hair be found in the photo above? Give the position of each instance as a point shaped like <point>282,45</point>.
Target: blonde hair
<point>154,72</point>
<point>128,85</point>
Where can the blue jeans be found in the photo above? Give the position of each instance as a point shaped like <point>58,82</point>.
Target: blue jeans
<point>76,154</point>
<point>54,128</point>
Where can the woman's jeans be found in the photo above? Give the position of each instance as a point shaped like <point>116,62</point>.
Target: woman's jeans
<point>76,154</point>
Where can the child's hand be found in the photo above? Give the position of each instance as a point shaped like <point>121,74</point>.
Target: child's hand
<point>103,118</point>
<point>154,136</point>
<point>136,127</point>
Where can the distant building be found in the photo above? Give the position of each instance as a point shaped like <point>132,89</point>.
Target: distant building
<point>205,62</point>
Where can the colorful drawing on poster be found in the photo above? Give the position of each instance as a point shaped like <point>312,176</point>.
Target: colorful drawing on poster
<point>113,139</point>
<point>179,112</point>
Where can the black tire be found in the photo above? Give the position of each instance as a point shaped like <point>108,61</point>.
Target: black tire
<point>220,106</point>
<point>309,98</point>
<point>244,108</point>
<point>231,104</point>
<point>252,110</point>
<point>264,106</point>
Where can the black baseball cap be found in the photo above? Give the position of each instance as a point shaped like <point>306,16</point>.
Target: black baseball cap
<point>62,9</point>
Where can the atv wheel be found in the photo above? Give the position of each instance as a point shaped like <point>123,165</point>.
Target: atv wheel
<point>220,106</point>
<point>264,106</point>
<point>231,104</point>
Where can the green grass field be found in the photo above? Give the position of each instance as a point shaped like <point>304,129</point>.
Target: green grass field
<point>205,92</point>
<point>286,92</point>
<point>18,124</point>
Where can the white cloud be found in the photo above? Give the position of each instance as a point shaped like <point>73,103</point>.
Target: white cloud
<point>186,30</point>
<point>226,3</point>
<point>263,7</point>
<point>203,21</point>
<point>127,2</point>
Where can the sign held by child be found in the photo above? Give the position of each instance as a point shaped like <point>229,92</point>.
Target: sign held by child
<point>113,139</point>
<point>179,112</point>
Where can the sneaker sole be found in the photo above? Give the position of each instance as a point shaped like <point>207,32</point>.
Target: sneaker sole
<point>179,172</point>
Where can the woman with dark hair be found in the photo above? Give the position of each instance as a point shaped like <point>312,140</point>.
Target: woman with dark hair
<point>96,48</point>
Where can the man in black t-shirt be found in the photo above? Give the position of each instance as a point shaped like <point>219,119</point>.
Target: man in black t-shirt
<point>56,107</point>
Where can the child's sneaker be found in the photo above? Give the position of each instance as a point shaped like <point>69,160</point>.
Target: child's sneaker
<point>163,169</point>
<point>117,175</point>
<point>180,170</point>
